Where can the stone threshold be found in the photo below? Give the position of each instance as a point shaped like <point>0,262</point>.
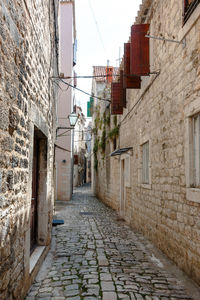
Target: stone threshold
<point>35,256</point>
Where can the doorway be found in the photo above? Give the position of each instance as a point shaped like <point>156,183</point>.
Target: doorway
<point>34,198</point>
<point>123,190</point>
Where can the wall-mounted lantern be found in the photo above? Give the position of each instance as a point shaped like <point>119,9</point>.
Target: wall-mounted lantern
<point>73,117</point>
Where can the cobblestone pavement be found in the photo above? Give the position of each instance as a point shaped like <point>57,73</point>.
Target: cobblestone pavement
<point>95,255</point>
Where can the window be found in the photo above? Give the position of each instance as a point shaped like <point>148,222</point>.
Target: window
<point>145,163</point>
<point>127,172</point>
<point>192,150</point>
<point>189,7</point>
<point>196,150</point>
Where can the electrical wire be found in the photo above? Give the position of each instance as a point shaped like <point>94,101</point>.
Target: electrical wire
<point>63,90</point>
<point>122,121</point>
<point>106,75</point>
<point>63,133</point>
<point>89,76</point>
<point>97,26</point>
<point>84,91</point>
<point>80,140</point>
<point>62,148</point>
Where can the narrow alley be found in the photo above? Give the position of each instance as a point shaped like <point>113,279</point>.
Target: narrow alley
<point>95,255</point>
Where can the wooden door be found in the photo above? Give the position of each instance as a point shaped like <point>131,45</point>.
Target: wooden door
<point>34,218</point>
<point>122,187</point>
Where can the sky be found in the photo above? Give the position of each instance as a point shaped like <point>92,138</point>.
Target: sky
<point>102,26</point>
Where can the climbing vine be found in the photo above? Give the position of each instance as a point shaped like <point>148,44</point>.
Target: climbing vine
<point>114,133</point>
<point>103,140</point>
<point>102,123</point>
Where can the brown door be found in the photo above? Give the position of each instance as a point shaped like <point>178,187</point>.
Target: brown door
<point>34,196</point>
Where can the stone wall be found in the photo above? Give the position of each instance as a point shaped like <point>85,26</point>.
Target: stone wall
<point>108,174</point>
<point>167,209</point>
<point>27,102</point>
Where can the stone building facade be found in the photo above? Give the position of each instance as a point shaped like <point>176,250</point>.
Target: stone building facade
<point>64,137</point>
<point>154,180</point>
<point>28,60</point>
<point>79,148</point>
<point>102,124</point>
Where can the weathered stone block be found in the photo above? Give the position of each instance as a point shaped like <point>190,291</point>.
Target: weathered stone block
<point>4,121</point>
<point>10,180</point>
<point>7,144</point>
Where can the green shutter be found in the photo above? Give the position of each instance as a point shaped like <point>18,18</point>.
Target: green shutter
<point>89,115</point>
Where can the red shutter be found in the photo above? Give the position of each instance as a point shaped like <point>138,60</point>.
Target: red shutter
<point>139,54</point>
<point>109,73</point>
<point>116,99</point>
<point>130,82</point>
<point>122,89</point>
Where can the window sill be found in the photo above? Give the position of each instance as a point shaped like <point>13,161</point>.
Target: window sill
<point>146,186</point>
<point>193,194</point>
<point>35,256</point>
<point>189,24</point>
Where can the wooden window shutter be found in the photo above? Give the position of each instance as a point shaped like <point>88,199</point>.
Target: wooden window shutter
<point>189,7</point>
<point>122,89</point>
<point>139,52</point>
<point>116,100</point>
<point>129,82</point>
<point>75,159</point>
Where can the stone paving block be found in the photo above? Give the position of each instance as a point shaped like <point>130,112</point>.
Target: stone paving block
<point>33,292</point>
<point>58,292</point>
<point>45,290</point>
<point>57,283</point>
<point>72,287</point>
<point>71,293</point>
<point>107,286</point>
<point>93,281</point>
<point>124,297</point>
<point>91,292</point>
<point>103,262</point>
<point>109,296</point>
<point>73,298</point>
<point>138,297</point>
<point>105,277</point>
<point>91,298</point>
